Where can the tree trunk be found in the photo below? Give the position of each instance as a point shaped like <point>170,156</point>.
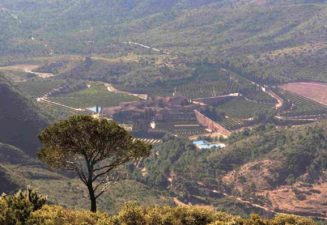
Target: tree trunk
<point>92,198</point>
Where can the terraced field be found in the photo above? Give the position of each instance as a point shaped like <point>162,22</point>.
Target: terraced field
<point>314,91</point>
<point>208,89</point>
<point>243,109</point>
<point>39,87</point>
<point>97,94</point>
<point>231,123</point>
<point>301,106</point>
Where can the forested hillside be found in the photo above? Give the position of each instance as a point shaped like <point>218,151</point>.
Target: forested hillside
<point>11,180</point>
<point>258,166</point>
<point>269,41</point>
<point>19,119</point>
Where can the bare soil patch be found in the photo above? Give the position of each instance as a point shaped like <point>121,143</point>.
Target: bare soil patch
<point>300,199</point>
<point>28,68</point>
<point>311,90</point>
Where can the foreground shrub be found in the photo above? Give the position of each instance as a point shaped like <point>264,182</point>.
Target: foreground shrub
<point>28,208</point>
<point>16,209</point>
<point>57,215</point>
<point>133,214</point>
<point>291,220</point>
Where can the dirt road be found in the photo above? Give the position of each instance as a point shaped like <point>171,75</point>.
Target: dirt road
<point>46,100</point>
<point>112,89</point>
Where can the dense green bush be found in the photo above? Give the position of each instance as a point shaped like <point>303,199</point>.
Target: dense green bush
<point>133,214</point>
<point>57,215</point>
<point>16,209</point>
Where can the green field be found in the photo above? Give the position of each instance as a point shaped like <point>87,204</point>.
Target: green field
<point>96,95</point>
<point>55,112</point>
<point>208,89</point>
<point>39,87</point>
<point>243,109</point>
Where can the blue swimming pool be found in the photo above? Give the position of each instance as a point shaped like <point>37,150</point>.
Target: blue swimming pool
<point>202,144</point>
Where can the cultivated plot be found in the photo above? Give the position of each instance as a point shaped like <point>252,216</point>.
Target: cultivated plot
<point>314,91</point>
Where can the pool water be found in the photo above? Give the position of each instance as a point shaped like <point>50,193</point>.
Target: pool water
<point>202,144</point>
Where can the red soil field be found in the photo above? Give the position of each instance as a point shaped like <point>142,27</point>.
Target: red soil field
<point>314,91</point>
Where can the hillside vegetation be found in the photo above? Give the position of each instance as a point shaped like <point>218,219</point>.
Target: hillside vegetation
<point>28,207</point>
<point>256,163</point>
<point>268,41</point>
<point>20,121</point>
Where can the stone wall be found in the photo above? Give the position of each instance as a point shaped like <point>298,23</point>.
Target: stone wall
<point>210,124</point>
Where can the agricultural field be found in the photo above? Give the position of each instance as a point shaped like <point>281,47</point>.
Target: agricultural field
<point>208,89</point>
<point>241,108</point>
<point>39,87</point>
<point>301,106</point>
<point>97,94</point>
<point>17,76</point>
<point>314,91</point>
<point>55,112</point>
<point>231,123</point>
<point>207,80</point>
<point>237,112</point>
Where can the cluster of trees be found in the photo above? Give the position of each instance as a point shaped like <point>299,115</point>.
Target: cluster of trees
<point>53,67</point>
<point>282,67</point>
<point>30,208</point>
<point>136,74</point>
<point>172,154</point>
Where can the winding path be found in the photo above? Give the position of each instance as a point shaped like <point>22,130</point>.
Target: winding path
<point>46,100</point>
<point>146,47</point>
<point>29,69</point>
<point>112,89</point>
<point>266,209</point>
